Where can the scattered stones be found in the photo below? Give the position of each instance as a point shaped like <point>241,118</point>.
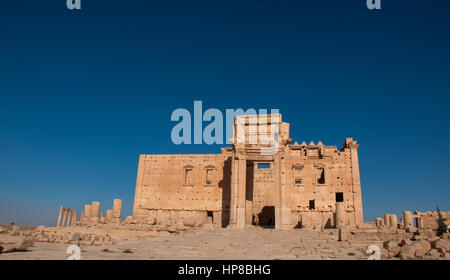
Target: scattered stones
<point>390,244</point>
<point>443,244</point>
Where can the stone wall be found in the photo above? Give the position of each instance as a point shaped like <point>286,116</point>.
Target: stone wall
<point>198,186</point>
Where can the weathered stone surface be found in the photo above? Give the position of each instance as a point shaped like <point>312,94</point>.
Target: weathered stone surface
<point>425,245</point>
<point>7,248</point>
<point>434,253</point>
<point>150,221</point>
<point>130,220</point>
<point>19,243</point>
<point>319,186</point>
<point>343,233</point>
<point>394,251</point>
<point>74,236</point>
<point>407,252</point>
<point>216,243</point>
<point>390,244</point>
<point>177,186</point>
<point>405,242</point>
<point>189,222</point>
<point>443,244</point>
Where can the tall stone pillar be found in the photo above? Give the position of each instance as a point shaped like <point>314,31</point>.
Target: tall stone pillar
<point>64,218</point>
<point>69,216</point>
<point>387,220</point>
<point>109,216</point>
<point>233,192</point>
<point>117,209</point>
<point>59,216</point>
<point>408,219</point>
<point>278,192</point>
<point>242,182</point>
<point>95,209</point>
<point>356,181</point>
<point>87,211</point>
<point>340,214</point>
<point>393,220</point>
<point>74,218</point>
<point>286,214</point>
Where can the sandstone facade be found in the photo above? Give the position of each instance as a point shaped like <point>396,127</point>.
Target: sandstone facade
<point>273,183</point>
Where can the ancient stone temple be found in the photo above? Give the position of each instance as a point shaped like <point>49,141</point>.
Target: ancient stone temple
<point>263,179</point>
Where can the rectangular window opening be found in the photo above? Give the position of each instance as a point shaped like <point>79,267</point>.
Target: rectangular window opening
<point>320,176</point>
<point>210,217</point>
<point>208,176</point>
<point>339,197</point>
<point>312,205</point>
<point>263,165</point>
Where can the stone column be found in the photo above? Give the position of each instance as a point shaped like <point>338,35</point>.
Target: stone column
<point>87,214</point>
<point>59,216</point>
<point>340,214</point>
<point>286,213</point>
<point>387,220</point>
<point>87,211</point>
<point>233,192</point>
<point>95,210</point>
<point>241,191</point>
<point>408,219</point>
<point>117,209</point>
<point>393,220</point>
<point>379,222</point>
<point>64,218</point>
<point>74,218</point>
<point>109,216</point>
<point>69,216</point>
<point>278,192</point>
<point>356,181</point>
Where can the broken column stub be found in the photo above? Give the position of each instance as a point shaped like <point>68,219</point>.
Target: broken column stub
<point>117,210</point>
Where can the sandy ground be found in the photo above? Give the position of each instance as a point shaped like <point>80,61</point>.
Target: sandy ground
<point>253,243</point>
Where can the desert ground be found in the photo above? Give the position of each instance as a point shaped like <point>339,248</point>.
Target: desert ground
<point>220,243</point>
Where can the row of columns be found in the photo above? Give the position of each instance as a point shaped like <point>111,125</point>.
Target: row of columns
<point>90,215</point>
<point>66,217</point>
<point>391,220</point>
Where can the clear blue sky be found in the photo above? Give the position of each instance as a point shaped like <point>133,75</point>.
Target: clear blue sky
<point>83,93</point>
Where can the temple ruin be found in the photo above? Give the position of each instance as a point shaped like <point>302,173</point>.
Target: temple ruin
<point>263,178</point>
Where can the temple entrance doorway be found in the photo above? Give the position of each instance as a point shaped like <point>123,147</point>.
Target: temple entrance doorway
<point>260,209</point>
